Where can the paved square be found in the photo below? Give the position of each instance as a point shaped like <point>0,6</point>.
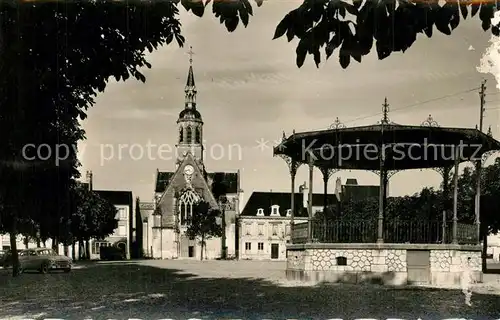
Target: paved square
<point>183,289</point>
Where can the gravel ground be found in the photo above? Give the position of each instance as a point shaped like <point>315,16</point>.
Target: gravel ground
<point>181,289</point>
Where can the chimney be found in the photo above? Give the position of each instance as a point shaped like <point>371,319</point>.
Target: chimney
<point>305,195</point>
<point>89,180</point>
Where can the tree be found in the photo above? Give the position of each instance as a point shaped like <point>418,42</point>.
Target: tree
<point>93,218</point>
<point>353,26</point>
<point>55,57</point>
<point>203,224</point>
<point>489,204</point>
<point>219,191</point>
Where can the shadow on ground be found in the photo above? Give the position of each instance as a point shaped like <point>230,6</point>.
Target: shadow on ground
<point>132,290</point>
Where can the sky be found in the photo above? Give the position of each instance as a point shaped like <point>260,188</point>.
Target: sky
<point>250,90</point>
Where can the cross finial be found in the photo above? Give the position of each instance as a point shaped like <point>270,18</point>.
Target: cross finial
<point>489,132</point>
<point>191,53</point>
<point>385,112</point>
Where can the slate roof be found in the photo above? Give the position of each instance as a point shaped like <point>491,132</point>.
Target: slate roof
<point>265,200</point>
<point>230,179</point>
<point>162,180</point>
<point>351,181</point>
<point>117,197</point>
<point>358,192</point>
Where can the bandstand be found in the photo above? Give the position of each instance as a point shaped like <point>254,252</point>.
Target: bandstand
<point>393,252</point>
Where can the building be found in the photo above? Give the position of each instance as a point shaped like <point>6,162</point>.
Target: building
<point>21,243</point>
<point>352,191</point>
<point>265,218</point>
<point>177,191</point>
<point>265,221</point>
<point>494,247</point>
<point>144,217</point>
<point>123,236</point>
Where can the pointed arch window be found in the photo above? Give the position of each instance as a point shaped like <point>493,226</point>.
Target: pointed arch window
<point>189,135</point>
<point>186,205</point>
<point>181,135</point>
<point>198,135</point>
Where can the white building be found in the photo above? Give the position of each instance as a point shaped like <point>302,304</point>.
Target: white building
<point>494,246</point>
<point>265,222</point>
<point>180,188</point>
<point>22,244</point>
<point>123,236</point>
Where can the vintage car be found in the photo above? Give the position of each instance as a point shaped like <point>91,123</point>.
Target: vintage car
<point>43,260</point>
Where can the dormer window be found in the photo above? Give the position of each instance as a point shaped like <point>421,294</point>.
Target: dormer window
<point>260,212</point>
<point>288,212</point>
<point>275,210</point>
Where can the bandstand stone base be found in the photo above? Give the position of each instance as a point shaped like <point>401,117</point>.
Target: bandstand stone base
<point>381,263</point>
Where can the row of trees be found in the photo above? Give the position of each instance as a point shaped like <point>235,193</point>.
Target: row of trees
<point>89,216</point>
<point>56,56</point>
<point>429,203</point>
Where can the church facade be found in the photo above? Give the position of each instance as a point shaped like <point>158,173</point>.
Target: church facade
<point>177,191</point>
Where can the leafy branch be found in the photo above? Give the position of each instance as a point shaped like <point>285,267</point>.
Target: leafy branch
<point>352,27</point>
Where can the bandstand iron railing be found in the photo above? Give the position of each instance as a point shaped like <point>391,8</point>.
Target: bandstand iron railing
<point>398,231</point>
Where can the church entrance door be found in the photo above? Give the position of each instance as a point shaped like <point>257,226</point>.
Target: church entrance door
<point>275,247</point>
<point>191,251</point>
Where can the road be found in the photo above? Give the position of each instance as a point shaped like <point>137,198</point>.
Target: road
<point>219,290</point>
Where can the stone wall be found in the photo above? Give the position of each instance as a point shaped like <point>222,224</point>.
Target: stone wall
<point>452,260</point>
<point>385,263</point>
<point>358,260</point>
<point>446,265</point>
<point>361,265</point>
<point>295,260</point>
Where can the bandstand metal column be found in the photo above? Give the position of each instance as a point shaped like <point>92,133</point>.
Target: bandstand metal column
<point>455,199</point>
<point>328,172</point>
<point>310,199</point>
<point>293,166</point>
<point>382,174</point>
<point>445,174</point>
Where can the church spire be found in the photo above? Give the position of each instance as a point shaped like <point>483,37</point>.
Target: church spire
<point>190,90</point>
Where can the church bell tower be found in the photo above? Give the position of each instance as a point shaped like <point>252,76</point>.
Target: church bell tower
<point>190,124</point>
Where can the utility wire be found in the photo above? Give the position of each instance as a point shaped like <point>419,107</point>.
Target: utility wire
<point>416,104</point>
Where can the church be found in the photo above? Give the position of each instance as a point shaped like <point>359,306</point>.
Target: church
<point>177,191</point>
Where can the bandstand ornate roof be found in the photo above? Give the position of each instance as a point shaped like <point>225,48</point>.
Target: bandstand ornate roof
<point>404,145</point>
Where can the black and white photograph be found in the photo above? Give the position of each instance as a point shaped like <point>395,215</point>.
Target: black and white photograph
<point>250,159</point>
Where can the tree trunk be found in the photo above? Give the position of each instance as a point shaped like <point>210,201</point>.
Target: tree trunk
<point>25,242</point>
<point>16,270</point>
<point>44,244</point>
<point>55,245</point>
<point>484,251</point>
<point>223,239</point>
<point>66,251</point>
<point>202,246</point>
<point>81,250</point>
<point>73,253</point>
<point>87,249</point>
<point>38,243</point>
